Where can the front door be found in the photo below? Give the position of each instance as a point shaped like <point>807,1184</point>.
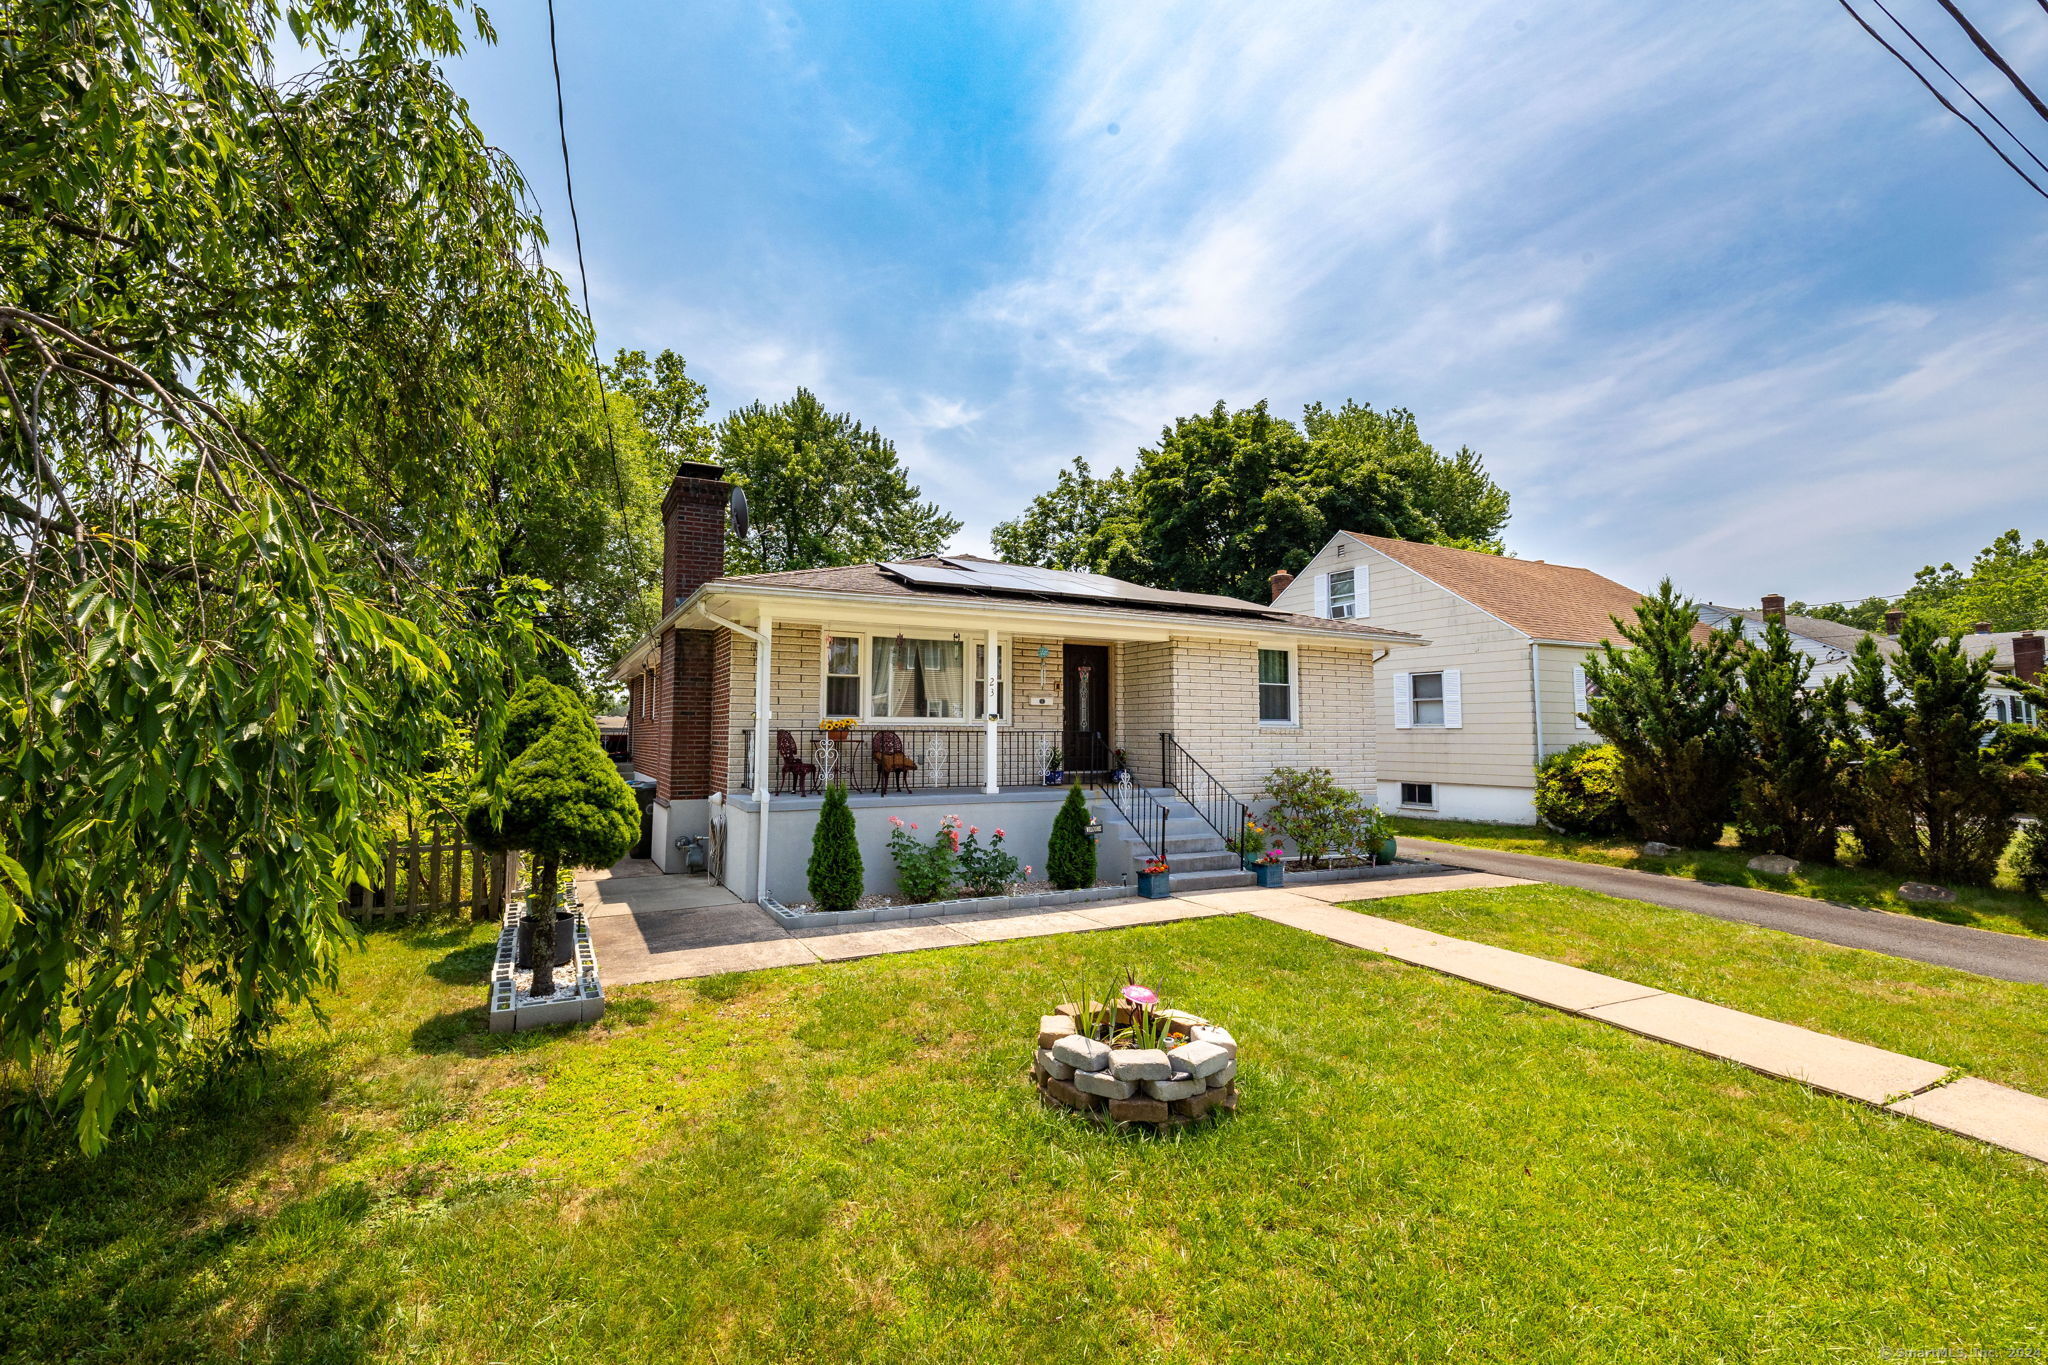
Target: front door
<point>1086,699</point>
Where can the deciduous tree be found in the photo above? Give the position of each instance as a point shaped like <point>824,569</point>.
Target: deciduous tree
<point>822,489</point>
<point>264,349</point>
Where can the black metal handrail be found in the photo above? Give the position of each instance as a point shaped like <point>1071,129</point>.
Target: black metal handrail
<point>1141,810</point>
<point>1224,813</point>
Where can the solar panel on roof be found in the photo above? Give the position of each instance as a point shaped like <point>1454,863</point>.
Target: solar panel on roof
<point>983,575</point>
<point>929,575</point>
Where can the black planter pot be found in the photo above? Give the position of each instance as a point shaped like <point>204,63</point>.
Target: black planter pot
<point>565,941</point>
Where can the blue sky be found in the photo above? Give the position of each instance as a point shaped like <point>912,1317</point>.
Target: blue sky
<point>1717,290</point>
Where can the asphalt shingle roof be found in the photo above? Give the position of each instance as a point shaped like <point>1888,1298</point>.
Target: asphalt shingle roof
<point>1545,601</point>
<point>875,580</point>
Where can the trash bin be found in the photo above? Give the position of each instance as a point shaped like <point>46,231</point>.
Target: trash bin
<point>643,792</point>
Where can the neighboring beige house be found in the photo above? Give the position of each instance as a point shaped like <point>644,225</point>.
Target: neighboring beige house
<point>1463,720</point>
<point>727,697</point>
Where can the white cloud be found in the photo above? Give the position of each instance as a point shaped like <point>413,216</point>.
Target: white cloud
<point>1594,246</point>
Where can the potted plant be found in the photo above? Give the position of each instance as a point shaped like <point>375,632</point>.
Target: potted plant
<point>1270,866</point>
<point>1154,879</point>
<point>1055,773</point>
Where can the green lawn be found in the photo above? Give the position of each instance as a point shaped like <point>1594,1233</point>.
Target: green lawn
<point>846,1163</point>
<point>2004,908</point>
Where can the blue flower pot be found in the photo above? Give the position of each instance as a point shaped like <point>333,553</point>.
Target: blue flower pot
<point>1153,885</point>
<point>1269,874</point>
<point>1056,778</point>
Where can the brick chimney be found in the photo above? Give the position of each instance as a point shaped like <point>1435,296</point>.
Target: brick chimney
<point>1981,627</point>
<point>693,530</point>
<point>1278,583</point>
<point>2026,655</point>
<point>1894,619</point>
<point>1774,608</point>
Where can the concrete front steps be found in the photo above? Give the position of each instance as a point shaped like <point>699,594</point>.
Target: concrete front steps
<point>1200,860</point>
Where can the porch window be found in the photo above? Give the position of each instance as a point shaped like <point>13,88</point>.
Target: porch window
<point>1276,686</point>
<point>981,697</point>
<point>842,676</point>
<point>917,679</point>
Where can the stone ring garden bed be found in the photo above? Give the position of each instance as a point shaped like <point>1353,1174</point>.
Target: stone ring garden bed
<point>1189,1076</point>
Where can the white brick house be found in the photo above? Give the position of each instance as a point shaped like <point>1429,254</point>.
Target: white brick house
<point>961,677</point>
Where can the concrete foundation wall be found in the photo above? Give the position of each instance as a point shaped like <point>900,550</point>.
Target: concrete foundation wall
<point>1025,817</point>
<point>1497,805</point>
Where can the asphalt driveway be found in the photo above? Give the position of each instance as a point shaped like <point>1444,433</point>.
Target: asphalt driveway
<point>2009,957</point>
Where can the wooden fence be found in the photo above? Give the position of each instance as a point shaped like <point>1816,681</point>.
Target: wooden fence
<point>435,870</point>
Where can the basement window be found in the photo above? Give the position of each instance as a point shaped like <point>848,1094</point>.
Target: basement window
<point>1421,795</point>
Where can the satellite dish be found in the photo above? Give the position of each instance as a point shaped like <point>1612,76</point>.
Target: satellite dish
<point>738,506</point>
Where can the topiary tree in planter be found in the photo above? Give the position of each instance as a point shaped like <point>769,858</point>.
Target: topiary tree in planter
<point>835,872</point>
<point>562,803</point>
<point>1070,853</point>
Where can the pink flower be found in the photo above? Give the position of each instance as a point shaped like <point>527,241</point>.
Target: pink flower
<point>974,829</point>
<point>896,820</point>
<point>1027,869</point>
<point>913,824</point>
<point>1141,995</point>
<point>999,834</point>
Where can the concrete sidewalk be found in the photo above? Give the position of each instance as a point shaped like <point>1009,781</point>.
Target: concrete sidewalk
<point>2008,957</point>
<point>646,932</point>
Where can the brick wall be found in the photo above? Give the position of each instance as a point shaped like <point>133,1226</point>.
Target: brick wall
<point>693,516</point>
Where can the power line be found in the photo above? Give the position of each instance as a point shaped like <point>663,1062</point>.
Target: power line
<point>1864,24</point>
<point>1988,111</point>
<point>1991,55</point>
<point>576,228</point>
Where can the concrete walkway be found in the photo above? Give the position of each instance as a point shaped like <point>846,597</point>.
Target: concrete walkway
<point>669,928</point>
<point>2008,957</point>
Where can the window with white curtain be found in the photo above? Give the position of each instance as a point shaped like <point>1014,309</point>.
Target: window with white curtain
<point>917,679</point>
<point>842,676</point>
<point>982,700</point>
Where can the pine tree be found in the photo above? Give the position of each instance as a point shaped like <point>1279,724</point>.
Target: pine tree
<point>1927,795</point>
<point>835,872</point>
<point>1788,799</point>
<point>1663,702</point>
<point>1070,854</point>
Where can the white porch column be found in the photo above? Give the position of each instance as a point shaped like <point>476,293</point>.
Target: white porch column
<point>764,649</point>
<point>991,689</point>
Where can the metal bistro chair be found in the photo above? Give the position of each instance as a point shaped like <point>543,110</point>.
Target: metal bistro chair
<point>891,762</point>
<point>793,765</point>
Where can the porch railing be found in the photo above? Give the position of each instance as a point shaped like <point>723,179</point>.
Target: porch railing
<point>932,758</point>
<point>1211,800</point>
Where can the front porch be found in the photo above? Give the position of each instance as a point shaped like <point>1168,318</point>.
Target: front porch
<point>891,760</point>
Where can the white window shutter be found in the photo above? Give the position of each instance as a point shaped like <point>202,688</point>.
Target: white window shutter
<point>1322,594</point>
<point>1361,585</point>
<point>1579,697</point>
<point>1454,705</point>
<point>1404,701</point>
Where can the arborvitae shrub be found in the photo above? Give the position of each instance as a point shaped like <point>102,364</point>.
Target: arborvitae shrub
<point>1070,854</point>
<point>836,877</point>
